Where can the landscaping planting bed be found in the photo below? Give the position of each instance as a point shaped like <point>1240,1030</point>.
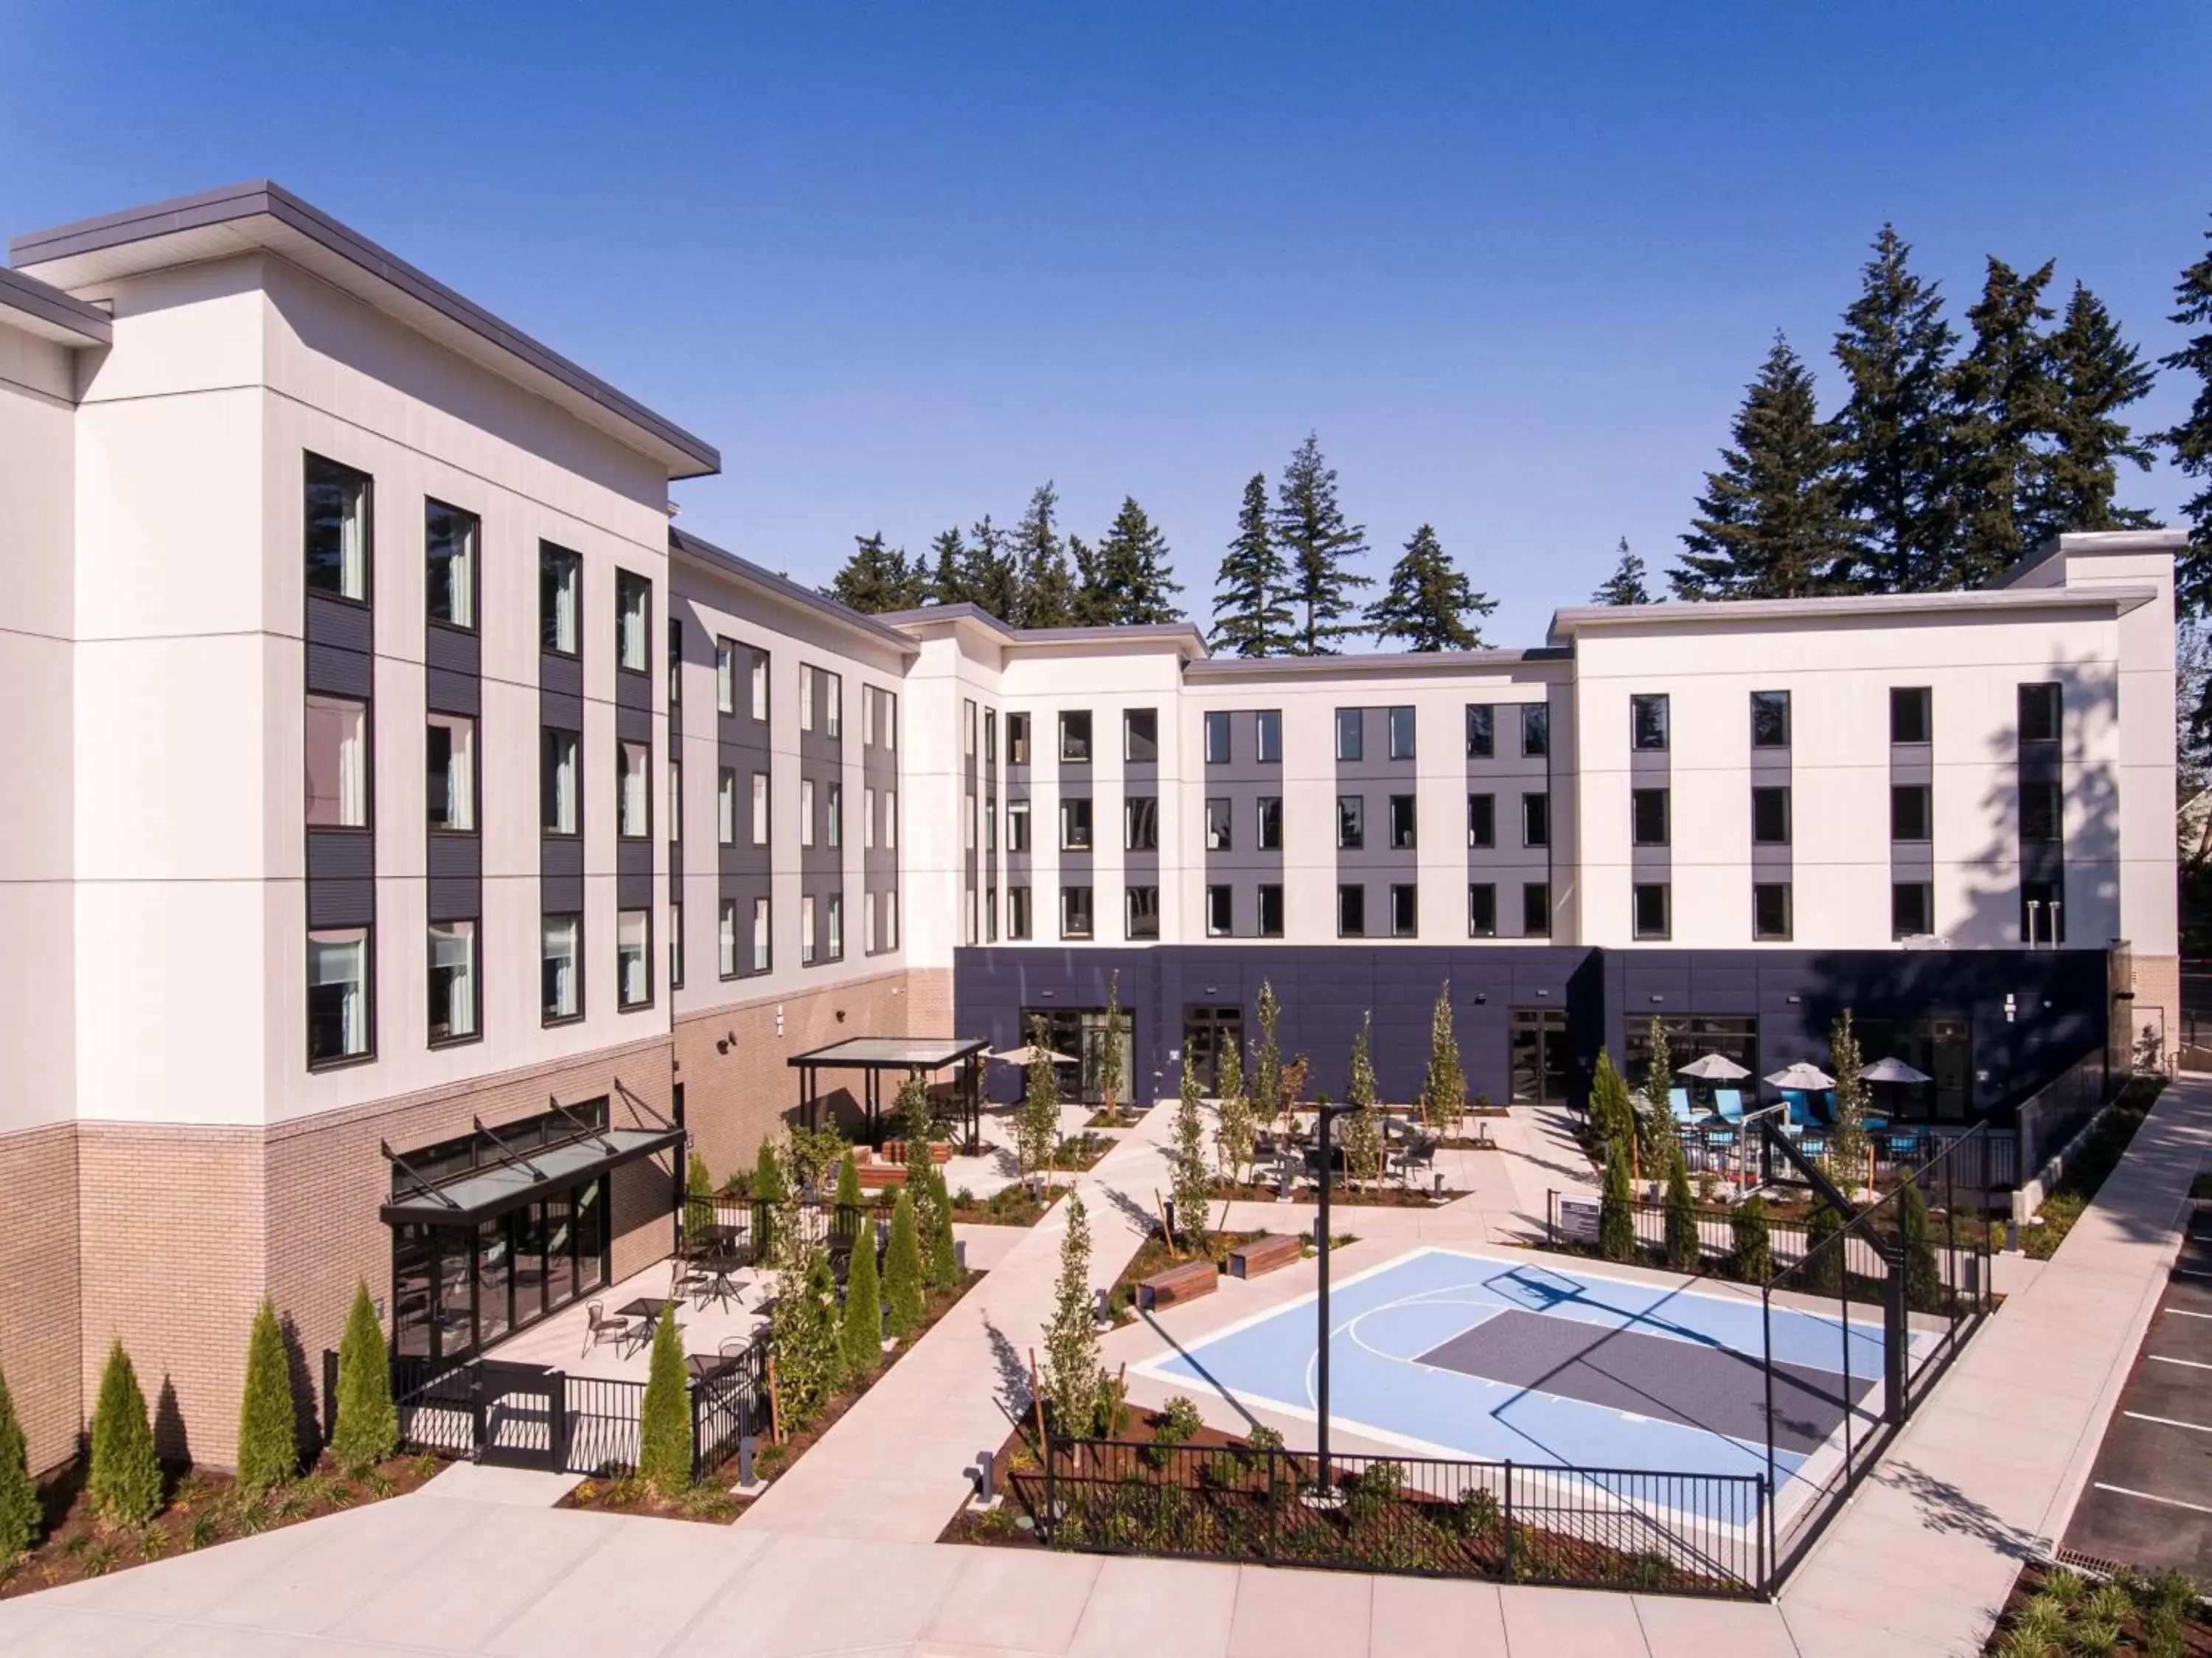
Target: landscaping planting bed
<point>2099,1153</point>
<point>1013,1205</point>
<point>201,1511</point>
<point>1339,1196</point>
<point>1157,1255</point>
<point>2054,1612</point>
<point>1081,1151</point>
<point>1127,1117</point>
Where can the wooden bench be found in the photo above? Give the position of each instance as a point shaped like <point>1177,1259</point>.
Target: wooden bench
<point>940,1151</point>
<point>1178,1284</point>
<point>1265,1254</point>
<point>877,1174</point>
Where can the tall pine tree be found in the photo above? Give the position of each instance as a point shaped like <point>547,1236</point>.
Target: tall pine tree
<point>1132,565</point>
<point>1626,585</point>
<point>1896,429</point>
<point>990,574</point>
<point>1251,615</point>
<point>945,581</point>
<point>1317,545</point>
<point>878,578</point>
<point>2006,398</point>
<point>1047,591</point>
<point>1429,600</point>
<point>1769,524</point>
<point>2098,375</point>
<point>1095,605</point>
<point>2193,450</point>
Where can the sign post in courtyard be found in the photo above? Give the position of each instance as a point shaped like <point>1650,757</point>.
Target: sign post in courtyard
<point>1326,1490</point>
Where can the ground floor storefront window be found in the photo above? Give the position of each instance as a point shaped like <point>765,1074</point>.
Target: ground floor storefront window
<point>456,1289</point>
<point>1941,1049</point>
<point>1080,1032</point>
<point>1690,1037</point>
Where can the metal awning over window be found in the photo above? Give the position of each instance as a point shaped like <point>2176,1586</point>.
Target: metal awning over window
<point>527,1178</point>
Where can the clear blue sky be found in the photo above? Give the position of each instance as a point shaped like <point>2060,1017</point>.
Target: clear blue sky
<point>1513,262</point>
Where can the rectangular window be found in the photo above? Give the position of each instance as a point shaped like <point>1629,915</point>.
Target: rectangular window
<point>1219,835</point>
<point>1217,738</point>
<point>634,790</point>
<point>726,807</point>
<point>1909,812</point>
<point>887,728</point>
<point>761,936</point>
<point>1017,912</point>
<point>1017,825</point>
<point>1140,736</point>
<point>1910,716</point>
<point>2040,709</point>
<point>1536,730</point>
<point>336,763</point>
<point>1018,739</point>
<point>760,808</point>
<point>806,929</point>
<point>1647,814</point>
<point>726,677</point>
<point>726,939</point>
<point>1352,911</point>
<point>806,698</point>
<point>833,915</point>
<point>1075,912</point>
<point>560,599</point>
<point>833,815</point>
<point>868,909</point>
<point>634,957</point>
<point>560,961</point>
<point>968,727</point>
<point>1770,816</point>
<point>1912,908</point>
<point>1770,910</point>
<point>1651,909</point>
<point>1536,820</point>
<point>990,913</point>
<point>968,817</point>
<point>453,981</point>
<point>337,995</point>
<point>2041,813</point>
<point>675,802</point>
<point>756,682</point>
<point>1401,734</point>
<point>1536,909</point>
<point>1140,824</point>
<point>1481,731</point>
<point>1404,909</point>
<point>1220,912</point>
<point>676,947</point>
<point>867,819</point>
<point>1647,722</point>
<point>1482,820</point>
<point>1770,719</point>
<point>338,530</point>
<point>990,735</point>
<point>832,687</point>
<point>890,818</point>
<point>1271,824</point>
<point>1350,736</point>
<point>558,782</point>
<point>1075,738</point>
<point>890,917</point>
<point>2042,913</point>
<point>675,663</point>
<point>868,721</point>
<point>1271,910</point>
<point>1075,824</point>
<point>1481,910</point>
<point>1401,822</point>
<point>1267,736</point>
<point>1141,910</point>
<point>806,811</point>
<point>1351,821</point>
<point>449,751</point>
<point>449,563</point>
<point>633,622</point>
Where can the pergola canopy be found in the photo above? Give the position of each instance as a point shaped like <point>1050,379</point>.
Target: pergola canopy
<point>874,1055</point>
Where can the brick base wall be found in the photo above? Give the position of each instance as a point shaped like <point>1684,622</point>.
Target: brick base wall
<point>40,1273</point>
<point>2156,981</point>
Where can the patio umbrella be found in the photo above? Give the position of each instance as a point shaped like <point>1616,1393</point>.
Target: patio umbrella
<point>1811,1079</point>
<point>1893,1071</point>
<point>1712,1068</point>
<point>1025,1055</point>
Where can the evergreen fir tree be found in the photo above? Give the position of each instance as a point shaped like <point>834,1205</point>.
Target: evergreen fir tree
<point>1251,612</point>
<point>767,1177</point>
<point>1824,1258</point>
<point>848,1182</point>
<point>1769,525</point>
<point>123,1484</point>
<point>663,1418</point>
<point>1133,565</point>
<point>2098,375</point>
<point>1616,1225</point>
<point>1192,1182</point>
<point>2191,441</point>
<point>877,578</point>
<point>20,1512</point>
<point>1626,586</point>
<point>940,1250</point>
<point>946,582</point>
<point>1611,1119</point>
<point>1233,1129</point>
<point>1317,546</point>
<point>1267,1102</point>
<point>268,1420</point>
<point>367,1430</point>
<point>1896,430</point>
<point>1752,1259</point>
<point>1094,602</point>
<point>1924,1279</point>
<point>1361,1132</point>
<point>991,577</point>
<point>1074,1382</point>
<point>902,1286</point>
<point>1444,1089</point>
<point>1048,590</point>
<point>1037,1119</point>
<point>1683,1254</point>
<point>2006,396</point>
<point>698,1195</point>
<point>1428,600</point>
<point>863,1330</point>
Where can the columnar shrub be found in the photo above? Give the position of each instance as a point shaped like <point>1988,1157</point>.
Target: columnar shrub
<point>864,1306</point>
<point>1191,1185</point>
<point>1616,1226</point>
<point>1362,1131</point>
<point>1752,1259</point>
<point>367,1428</point>
<point>768,1179</point>
<point>902,1269</point>
<point>940,1251</point>
<point>1682,1251</point>
<point>1444,1090</point>
<point>268,1419</point>
<point>1109,1053</point>
<point>123,1484</point>
<point>848,1183</point>
<point>1037,1122</point>
<point>19,1498</point>
<point>1655,1127</point>
<point>698,1192</point>
<point>1233,1125</point>
<point>1823,1256</point>
<point>1923,1280</point>
<point>664,1429</point>
<point>1267,1102</point>
<point>1611,1119</point>
<point>1074,1382</point>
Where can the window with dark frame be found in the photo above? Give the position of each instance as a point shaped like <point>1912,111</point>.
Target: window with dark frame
<point>562,969</point>
<point>1481,731</point>
<point>1404,909</point>
<point>1401,734</point>
<point>1536,909</point>
<point>1651,909</point>
<point>560,783</point>
<point>1075,738</point>
<point>633,622</point>
<point>1140,824</point>
<point>2041,711</point>
<point>1911,908</point>
<point>1910,812</point>
<point>1770,910</point>
<point>1647,722</point>
<point>1220,912</point>
<point>341,996</point>
<point>1482,820</point>
<point>454,993</point>
<point>1141,912</point>
<point>1648,816</point>
<point>1017,912</point>
<point>1271,910</point>
<point>1219,837</point>
<point>1770,719</point>
<point>1403,820</point>
<point>1536,820</point>
<point>1350,740</point>
<point>1140,736</point>
<point>633,959</point>
<point>1352,911</point>
<point>1911,719</point>
<point>339,540</point>
<point>2042,812</point>
<point>1481,910</point>
<point>1075,912</point>
<point>1770,815</point>
<point>450,537</point>
<point>1018,739</point>
<point>560,599</point>
<point>1350,822</point>
<point>1075,824</point>
<point>1217,738</point>
<point>1270,828</point>
<point>1267,736</point>
<point>1536,730</point>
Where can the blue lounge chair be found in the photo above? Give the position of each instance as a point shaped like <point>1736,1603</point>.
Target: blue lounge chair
<point>1828,1106</point>
<point>1794,1110</point>
<point>1679,1101</point>
<point>1729,1103</point>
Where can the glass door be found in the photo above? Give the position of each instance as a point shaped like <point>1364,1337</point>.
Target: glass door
<point>1207,1033</point>
<point>591,1207</point>
<point>1540,1064</point>
<point>494,1276</point>
<point>414,1280</point>
<point>560,1252</point>
<point>528,1224</point>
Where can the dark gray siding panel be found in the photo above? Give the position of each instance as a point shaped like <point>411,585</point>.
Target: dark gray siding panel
<point>343,626</point>
<point>562,894</point>
<point>560,676</point>
<point>566,712</point>
<point>341,902</point>
<point>634,724</point>
<point>633,691</point>
<point>455,898</point>
<point>339,673</point>
<point>561,856</point>
<point>455,857</point>
<point>449,692</point>
<point>453,651</point>
<point>340,855</point>
<point>634,889</point>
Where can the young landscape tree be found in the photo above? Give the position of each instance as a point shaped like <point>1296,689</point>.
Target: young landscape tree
<point>1074,1382</point>
<point>767,1177</point>
<point>1362,1129</point>
<point>903,1285</point>
<point>1847,1139</point>
<point>1923,1280</point>
<point>1616,1223</point>
<point>664,1425</point>
<point>1233,1127</point>
<point>940,1251</point>
<point>877,578</point>
<point>1111,1063</point>
<point>1611,1117</point>
<point>1769,524</point>
<point>916,1119</point>
<point>1318,546</point>
<point>1824,1258</point>
<point>1191,1181</point>
<point>848,1182</point>
<point>1037,1120</point>
<point>1657,1142</point>
<point>1267,1102</point>
<point>1251,614</point>
<point>1428,603</point>
<point>1682,1251</point>
<point>862,1334</point>
<point>20,1513</point>
<point>124,1483</point>
<point>2006,398</point>
<point>1751,1259</point>
<point>1626,585</point>
<point>268,1420</point>
<point>368,1428</point>
<point>2098,375</point>
<point>1444,1089</point>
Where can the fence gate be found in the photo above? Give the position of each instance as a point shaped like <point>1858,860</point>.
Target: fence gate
<point>521,1415</point>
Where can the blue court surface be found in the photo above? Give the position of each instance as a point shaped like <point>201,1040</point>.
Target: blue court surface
<point>1505,1358</point>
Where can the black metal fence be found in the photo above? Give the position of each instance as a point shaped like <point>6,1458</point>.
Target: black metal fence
<point>744,1227</point>
<point>1512,1522</point>
<point>1988,1159</point>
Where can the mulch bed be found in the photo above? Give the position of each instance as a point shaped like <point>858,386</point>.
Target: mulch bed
<point>2077,1614</point>
<point>1012,1205</point>
<point>203,1510</point>
<point>1127,1117</point>
<point>1157,1255</point>
<point>1340,1197</point>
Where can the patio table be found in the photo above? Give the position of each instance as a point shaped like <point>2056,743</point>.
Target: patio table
<point>645,1310</point>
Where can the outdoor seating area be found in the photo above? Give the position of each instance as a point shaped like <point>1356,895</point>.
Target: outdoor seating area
<point>1292,1159</point>
<point>720,1305</point>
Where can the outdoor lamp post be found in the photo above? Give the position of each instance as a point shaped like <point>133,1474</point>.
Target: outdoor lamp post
<point>1328,1113</point>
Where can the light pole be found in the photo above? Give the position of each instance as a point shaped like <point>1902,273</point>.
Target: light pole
<point>1328,1114</point>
